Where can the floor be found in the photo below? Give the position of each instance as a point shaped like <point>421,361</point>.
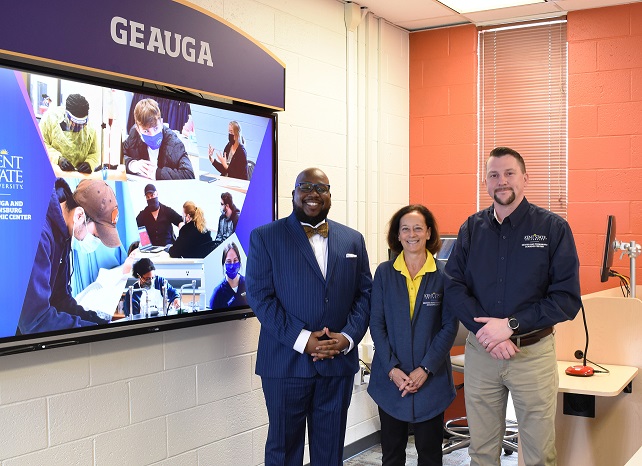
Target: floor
<point>372,457</point>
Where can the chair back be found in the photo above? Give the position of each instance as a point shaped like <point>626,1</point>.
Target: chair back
<point>460,338</point>
<point>250,169</point>
<point>457,361</point>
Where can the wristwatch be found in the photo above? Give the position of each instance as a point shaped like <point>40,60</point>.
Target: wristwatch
<point>513,324</point>
<point>426,370</point>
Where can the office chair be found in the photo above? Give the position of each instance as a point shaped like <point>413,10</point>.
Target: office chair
<point>456,430</point>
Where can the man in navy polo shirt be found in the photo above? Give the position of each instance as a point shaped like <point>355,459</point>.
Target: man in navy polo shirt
<point>513,275</point>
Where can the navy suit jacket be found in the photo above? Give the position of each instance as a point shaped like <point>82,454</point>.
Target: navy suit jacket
<point>287,292</point>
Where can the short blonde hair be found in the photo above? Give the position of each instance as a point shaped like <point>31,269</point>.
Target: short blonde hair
<point>147,113</point>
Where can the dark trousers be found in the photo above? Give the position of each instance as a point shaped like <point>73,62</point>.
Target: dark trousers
<point>429,436</point>
<point>321,401</point>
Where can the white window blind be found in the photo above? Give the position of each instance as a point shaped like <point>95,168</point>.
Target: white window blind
<point>523,105</point>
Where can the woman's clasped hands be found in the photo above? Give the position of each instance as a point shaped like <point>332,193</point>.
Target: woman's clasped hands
<point>408,383</point>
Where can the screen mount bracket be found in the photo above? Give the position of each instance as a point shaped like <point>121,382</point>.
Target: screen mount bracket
<point>633,250</point>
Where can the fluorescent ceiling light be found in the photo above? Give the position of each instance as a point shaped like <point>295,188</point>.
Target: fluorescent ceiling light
<point>471,6</point>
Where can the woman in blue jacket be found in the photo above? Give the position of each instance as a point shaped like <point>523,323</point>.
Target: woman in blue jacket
<point>411,377</point>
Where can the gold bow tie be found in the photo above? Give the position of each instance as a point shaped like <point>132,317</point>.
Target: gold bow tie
<point>321,230</point>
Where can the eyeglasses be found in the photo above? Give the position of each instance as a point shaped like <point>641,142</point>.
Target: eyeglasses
<point>308,187</point>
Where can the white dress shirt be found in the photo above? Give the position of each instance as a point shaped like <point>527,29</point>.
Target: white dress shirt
<point>320,248</point>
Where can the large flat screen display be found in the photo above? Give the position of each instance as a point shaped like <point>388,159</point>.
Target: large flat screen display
<point>124,210</point>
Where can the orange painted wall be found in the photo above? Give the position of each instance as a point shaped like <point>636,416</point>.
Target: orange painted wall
<point>605,133</point>
<point>604,129</point>
<point>443,123</point>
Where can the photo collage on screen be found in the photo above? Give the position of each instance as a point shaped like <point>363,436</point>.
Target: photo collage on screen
<point>190,182</point>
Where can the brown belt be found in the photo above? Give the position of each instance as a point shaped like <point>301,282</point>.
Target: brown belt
<point>532,337</point>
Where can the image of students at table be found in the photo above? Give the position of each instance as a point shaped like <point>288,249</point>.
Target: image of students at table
<point>71,144</point>
<point>194,240</point>
<point>152,150</point>
<point>231,291</point>
<point>148,291</point>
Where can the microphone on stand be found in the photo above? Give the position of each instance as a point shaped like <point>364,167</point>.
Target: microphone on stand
<point>583,370</point>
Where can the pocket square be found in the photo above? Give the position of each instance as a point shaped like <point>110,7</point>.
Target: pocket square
<point>351,256</point>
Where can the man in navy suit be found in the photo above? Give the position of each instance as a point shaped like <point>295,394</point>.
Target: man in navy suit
<point>308,282</point>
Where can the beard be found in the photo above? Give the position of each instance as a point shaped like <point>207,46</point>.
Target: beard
<point>508,201</point>
<point>301,216</point>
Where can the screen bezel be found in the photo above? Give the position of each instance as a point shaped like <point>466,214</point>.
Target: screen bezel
<point>609,249</point>
<point>72,336</point>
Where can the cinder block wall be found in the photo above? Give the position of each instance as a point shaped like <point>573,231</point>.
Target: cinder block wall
<point>443,123</point>
<point>605,133</point>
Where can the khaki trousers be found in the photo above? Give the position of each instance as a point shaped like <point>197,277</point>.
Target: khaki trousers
<point>531,377</point>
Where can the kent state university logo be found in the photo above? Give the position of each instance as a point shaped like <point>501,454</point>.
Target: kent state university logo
<point>432,299</point>
<point>11,174</point>
<point>535,241</point>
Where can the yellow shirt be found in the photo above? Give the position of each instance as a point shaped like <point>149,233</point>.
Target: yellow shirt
<point>413,283</point>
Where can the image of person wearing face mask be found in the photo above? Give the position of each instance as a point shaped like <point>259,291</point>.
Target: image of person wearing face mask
<point>232,161</point>
<point>80,220</point>
<point>228,219</point>
<point>105,292</point>
<point>231,291</point>
<point>148,289</point>
<point>70,142</point>
<point>158,219</point>
<point>194,240</point>
<point>152,150</point>
<point>45,102</point>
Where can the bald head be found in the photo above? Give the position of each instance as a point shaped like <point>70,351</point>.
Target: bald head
<point>310,173</point>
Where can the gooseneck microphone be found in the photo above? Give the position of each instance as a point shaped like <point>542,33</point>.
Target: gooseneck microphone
<point>579,355</point>
<point>583,370</point>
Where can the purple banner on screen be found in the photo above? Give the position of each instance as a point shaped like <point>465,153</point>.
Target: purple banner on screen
<point>26,183</point>
<point>164,41</point>
<point>259,205</point>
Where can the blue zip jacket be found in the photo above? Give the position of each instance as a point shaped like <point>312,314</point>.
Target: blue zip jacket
<point>424,341</point>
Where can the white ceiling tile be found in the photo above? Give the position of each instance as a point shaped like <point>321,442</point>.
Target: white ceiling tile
<point>423,14</point>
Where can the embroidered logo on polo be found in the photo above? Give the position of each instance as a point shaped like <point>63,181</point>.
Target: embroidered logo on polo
<point>432,299</point>
<point>535,241</point>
